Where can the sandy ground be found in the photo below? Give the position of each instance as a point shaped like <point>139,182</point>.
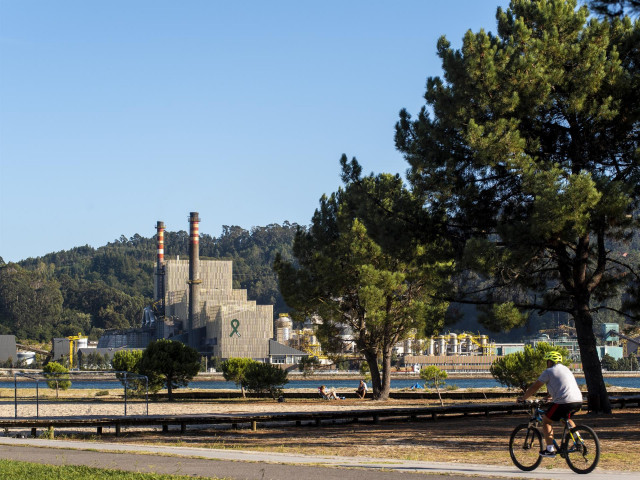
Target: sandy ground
<point>50,408</point>
<point>76,402</point>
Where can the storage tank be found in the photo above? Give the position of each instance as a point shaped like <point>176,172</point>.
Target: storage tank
<point>82,343</point>
<point>407,345</point>
<point>283,328</point>
<point>25,358</point>
<point>431,347</point>
<point>483,344</point>
<point>442,346</point>
<point>453,343</point>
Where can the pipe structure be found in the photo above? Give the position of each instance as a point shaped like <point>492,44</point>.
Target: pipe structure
<point>160,268</point>
<point>194,276</point>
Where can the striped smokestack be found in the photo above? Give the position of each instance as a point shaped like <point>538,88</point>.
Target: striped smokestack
<point>160,267</point>
<point>194,276</point>
<point>160,229</point>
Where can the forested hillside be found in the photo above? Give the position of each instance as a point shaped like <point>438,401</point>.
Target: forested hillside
<point>88,290</point>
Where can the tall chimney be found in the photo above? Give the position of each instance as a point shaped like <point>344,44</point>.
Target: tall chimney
<point>160,268</point>
<point>194,276</point>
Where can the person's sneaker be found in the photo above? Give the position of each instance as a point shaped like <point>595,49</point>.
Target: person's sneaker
<point>548,454</point>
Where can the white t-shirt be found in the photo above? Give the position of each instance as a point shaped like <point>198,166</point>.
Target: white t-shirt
<point>561,384</point>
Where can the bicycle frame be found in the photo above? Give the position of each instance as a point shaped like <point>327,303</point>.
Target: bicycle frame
<point>536,422</point>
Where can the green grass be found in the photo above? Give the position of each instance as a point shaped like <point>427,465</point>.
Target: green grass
<point>12,470</point>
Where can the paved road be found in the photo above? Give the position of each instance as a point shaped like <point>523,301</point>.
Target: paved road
<point>240,464</point>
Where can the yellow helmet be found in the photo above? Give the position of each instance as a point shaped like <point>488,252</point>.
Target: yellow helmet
<point>554,356</point>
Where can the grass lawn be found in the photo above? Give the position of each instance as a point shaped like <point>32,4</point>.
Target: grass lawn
<point>12,470</point>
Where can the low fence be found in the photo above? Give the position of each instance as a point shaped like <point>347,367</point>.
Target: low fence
<point>375,415</point>
<point>58,378</point>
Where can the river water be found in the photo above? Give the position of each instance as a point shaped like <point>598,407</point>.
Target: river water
<point>624,382</point>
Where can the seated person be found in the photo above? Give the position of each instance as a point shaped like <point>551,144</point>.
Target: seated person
<point>328,394</point>
<point>362,389</point>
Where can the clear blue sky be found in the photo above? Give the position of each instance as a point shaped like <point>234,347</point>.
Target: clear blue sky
<point>115,114</point>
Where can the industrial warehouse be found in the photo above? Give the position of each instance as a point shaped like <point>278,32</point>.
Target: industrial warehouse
<point>195,303</point>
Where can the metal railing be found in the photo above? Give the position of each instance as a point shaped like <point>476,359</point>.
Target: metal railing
<point>123,377</point>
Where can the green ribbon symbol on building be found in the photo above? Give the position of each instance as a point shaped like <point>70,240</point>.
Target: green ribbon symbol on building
<point>235,323</point>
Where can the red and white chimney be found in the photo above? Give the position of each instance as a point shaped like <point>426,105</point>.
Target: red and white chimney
<point>194,276</point>
<point>159,293</point>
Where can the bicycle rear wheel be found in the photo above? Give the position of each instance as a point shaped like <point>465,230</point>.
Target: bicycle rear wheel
<point>583,451</point>
<point>525,445</point>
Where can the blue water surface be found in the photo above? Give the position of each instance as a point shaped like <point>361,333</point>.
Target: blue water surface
<point>625,382</point>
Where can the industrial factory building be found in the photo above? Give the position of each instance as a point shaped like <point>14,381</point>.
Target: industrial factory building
<point>195,303</point>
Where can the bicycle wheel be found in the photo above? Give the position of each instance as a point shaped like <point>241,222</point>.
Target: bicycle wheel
<point>525,445</point>
<point>583,450</point>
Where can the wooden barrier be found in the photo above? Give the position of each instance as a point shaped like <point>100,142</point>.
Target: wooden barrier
<point>374,415</point>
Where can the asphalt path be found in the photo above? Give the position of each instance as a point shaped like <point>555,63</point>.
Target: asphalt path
<point>250,465</point>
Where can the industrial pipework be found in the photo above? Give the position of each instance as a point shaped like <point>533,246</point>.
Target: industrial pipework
<point>194,276</point>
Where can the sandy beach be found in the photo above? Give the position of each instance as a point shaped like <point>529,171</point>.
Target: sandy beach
<point>51,408</point>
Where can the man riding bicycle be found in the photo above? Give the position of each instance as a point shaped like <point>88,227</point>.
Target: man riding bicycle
<point>565,395</point>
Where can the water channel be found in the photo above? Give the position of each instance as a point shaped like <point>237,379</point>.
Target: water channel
<point>624,382</point>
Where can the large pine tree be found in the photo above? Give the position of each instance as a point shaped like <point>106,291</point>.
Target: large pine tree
<point>528,147</point>
<point>363,277</point>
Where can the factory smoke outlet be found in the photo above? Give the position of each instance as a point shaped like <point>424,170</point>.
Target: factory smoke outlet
<point>195,303</point>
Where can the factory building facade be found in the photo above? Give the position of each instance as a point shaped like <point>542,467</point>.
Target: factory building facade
<point>195,303</point>
<point>224,323</point>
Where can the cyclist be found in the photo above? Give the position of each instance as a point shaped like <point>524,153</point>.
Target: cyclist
<point>564,392</point>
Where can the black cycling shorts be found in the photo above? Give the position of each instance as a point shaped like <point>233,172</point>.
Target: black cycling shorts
<point>556,411</point>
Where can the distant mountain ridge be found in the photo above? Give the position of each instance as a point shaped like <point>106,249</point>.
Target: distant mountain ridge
<point>88,289</point>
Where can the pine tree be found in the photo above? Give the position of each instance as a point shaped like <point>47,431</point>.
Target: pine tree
<point>528,149</point>
<point>363,277</point>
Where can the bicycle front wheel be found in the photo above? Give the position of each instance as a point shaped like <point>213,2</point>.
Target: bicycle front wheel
<point>525,445</point>
<point>582,449</point>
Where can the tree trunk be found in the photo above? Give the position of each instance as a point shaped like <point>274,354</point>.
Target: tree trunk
<point>439,396</point>
<point>598,396</point>
<point>385,386</point>
<point>243,392</point>
<point>169,389</point>
<point>372,361</point>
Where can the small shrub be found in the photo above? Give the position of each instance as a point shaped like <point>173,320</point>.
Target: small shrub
<point>433,377</point>
<point>102,393</point>
<point>57,376</point>
<point>265,378</point>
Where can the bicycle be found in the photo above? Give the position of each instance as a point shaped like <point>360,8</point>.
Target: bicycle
<point>579,446</point>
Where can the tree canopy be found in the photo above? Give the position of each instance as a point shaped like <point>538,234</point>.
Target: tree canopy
<point>234,369</point>
<point>169,362</point>
<point>520,369</point>
<point>57,376</point>
<point>527,151</point>
<point>357,280</point>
